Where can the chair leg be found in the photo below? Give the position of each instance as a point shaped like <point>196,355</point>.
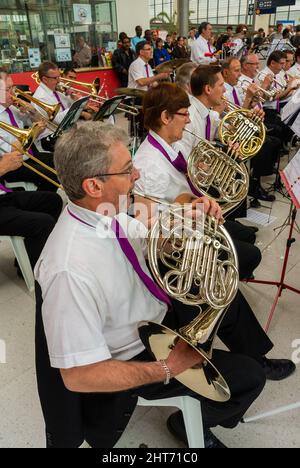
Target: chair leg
<point>23,261</point>
<point>191,410</point>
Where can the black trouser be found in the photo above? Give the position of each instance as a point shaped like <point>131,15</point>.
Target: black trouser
<point>31,215</point>
<point>26,175</point>
<point>279,129</point>
<point>262,163</point>
<point>106,415</point>
<point>248,254</point>
<point>248,343</point>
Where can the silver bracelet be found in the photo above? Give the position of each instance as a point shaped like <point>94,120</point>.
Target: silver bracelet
<point>167,371</point>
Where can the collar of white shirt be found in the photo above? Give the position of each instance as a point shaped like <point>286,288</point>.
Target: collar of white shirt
<point>200,108</point>
<point>245,78</point>
<point>172,153</point>
<point>2,109</point>
<point>46,89</point>
<point>88,217</point>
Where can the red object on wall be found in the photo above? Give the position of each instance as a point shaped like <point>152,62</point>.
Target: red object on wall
<point>107,76</point>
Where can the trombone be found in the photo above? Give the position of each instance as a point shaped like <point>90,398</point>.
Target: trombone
<point>51,110</point>
<point>66,84</point>
<point>26,139</point>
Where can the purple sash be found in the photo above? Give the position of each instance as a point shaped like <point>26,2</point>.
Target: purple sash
<point>235,97</point>
<point>14,123</point>
<point>208,128</point>
<point>2,187</point>
<point>180,163</point>
<point>129,252</point>
<point>59,100</point>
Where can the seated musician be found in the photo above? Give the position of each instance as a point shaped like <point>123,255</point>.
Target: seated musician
<point>163,173</point>
<point>47,92</point>
<point>10,114</point>
<point>262,164</point>
<point>97,291</point>
<point>31,215</point>
<point>140,74</point>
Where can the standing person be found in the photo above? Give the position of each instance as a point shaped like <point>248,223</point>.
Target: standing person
<point>140,74</point>
<point>169,45</point>
<point>161,55</point>
<point>91,314</point>
<point>180,50</point>
<point>137,38</point>
<point>83,56</point>
<point>122,59</point>
<point>202,51</point>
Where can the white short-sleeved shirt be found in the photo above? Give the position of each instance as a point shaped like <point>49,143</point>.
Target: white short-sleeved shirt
<point>261,76</point>
<point>138,71</point>
<point>294,71</point>
<point>21,120</point>
<point>199,48</point>
<point>93,300</point>
<point>229,94</point>
<point>44,94</point>
<point>158,177</point>
<point>198,116</point>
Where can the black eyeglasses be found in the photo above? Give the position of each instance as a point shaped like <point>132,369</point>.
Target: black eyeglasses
<point>52,77</point>
<point>129,172</point>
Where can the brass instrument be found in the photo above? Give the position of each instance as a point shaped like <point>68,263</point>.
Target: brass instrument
<point>196,267</point>
<point>243,127</point>
<point>26,138</point>
<point>262,94</point>
<point>66,84</point>
<point>51,110</point>
<point>216,175</point>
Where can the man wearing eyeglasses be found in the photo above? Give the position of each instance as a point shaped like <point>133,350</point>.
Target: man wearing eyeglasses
<point>49,76</point>
<point>96,289</point>
<point>140,74</point>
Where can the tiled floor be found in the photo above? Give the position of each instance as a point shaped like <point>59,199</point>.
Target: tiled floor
<point>20,414</point>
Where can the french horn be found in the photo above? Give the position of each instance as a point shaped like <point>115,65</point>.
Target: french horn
<point>217,175</point>
<point>198,268</point>
<point>242,126</point>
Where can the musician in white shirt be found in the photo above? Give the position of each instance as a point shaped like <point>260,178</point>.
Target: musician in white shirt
<point>295,69</point>
<point>16,118</point>
<point>232,72</point>
<point>161,176</point>
<point>96,292</point>
<point>140,73</point>
<point>202,52</point>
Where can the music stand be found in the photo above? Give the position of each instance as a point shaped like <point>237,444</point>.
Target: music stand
<point>281,284</point>
<point>68,121</point>
<point>108,108</point>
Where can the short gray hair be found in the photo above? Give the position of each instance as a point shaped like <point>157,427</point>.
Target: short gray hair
<point>83,152</point>
<point>184,74</point>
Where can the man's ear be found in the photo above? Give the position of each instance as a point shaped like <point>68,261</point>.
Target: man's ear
<point>93,187</point>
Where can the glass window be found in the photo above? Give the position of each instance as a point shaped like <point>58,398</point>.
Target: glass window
<point>44,21</point>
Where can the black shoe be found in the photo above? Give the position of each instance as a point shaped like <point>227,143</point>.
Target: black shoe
<point>255,203</point>
<point>278,369</point>
<point>259,193</point>
<point>175,424</point>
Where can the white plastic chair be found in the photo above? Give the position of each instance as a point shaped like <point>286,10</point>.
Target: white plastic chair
<point>192,415</point>
<point>21,255</point>
<point>28,186</point>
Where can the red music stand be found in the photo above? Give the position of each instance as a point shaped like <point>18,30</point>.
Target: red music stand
<point>281,285</point>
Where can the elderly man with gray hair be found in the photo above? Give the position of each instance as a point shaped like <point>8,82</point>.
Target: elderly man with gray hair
<point>96,289</point>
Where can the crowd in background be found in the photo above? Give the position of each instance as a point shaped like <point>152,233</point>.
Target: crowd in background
<point>232,42</point>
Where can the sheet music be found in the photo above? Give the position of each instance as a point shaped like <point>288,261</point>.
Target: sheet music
<point>257,217</point>
<point>289,111</point>
<point>291,178</point>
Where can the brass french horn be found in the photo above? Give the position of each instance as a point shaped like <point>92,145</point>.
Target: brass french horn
<point>196,267</point>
